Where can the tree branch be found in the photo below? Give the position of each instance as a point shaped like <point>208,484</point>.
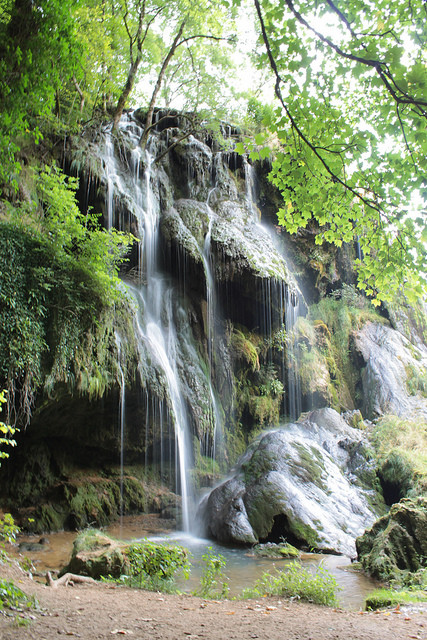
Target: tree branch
<point>368,202</point>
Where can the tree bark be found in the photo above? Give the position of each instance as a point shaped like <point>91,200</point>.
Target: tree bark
<point>149,118</point>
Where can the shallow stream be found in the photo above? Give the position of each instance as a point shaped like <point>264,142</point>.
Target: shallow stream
<point>242,569</point>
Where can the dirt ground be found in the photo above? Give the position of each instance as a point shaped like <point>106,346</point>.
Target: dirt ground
<point>102,611</point>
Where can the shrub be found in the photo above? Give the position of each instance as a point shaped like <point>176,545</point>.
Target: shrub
<point>213,582</point>
<point>154,566</point>
<point>11,597</point>
<point>295,581</point>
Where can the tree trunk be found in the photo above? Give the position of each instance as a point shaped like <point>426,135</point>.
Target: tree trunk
<point>125,93</point>
<point>149,118</point>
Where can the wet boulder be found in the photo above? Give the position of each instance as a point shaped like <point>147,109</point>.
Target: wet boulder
<point>396,542</point>
<point>296,483</point>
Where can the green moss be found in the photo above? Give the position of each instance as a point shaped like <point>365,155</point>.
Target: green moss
<point>416,380</point>
<point>310,466</point>
<point>383,598</point>
<point>271,550</point>
<point>324,347</point>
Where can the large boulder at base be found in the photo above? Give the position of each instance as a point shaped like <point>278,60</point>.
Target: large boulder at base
<point>396,542</point>
<point>302,483</point>
<point>393,377</point>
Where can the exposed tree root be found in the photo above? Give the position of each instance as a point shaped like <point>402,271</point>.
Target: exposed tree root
<point>66,579</point>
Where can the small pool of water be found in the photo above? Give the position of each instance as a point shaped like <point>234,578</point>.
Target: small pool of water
<point>242,569</point>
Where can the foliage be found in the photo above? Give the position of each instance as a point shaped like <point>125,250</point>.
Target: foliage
<point>295,581</point>
<point>244,347</point>
<point>8,532</point>
<point>382,598</point>
<point>350,126</point>
<point>154,566</point>
<point>38,53</point>
<point>213,582</point>
<point>6,431</point>
<point>401,445</point>
<point>416,380</point>
<point>58,272</point>
<point>12,597</point>
<point>323,341</point>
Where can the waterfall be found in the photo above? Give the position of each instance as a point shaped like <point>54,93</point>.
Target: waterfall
<point>155,301</point>
<point>122,413</point>
<point>279,308</point>
<point>250,189</point>
<point>210,445</point>
<point>184,391</point>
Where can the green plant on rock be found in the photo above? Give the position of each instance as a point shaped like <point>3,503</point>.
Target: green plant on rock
<point>296,582</point>
<point>213,582</point>
<point>323,342</point>
<point>244,348</point>
<point>154,566</point>
<point>400,446</point>
<point>58,272</point>
<point>416,380</point>
<point>383,598</point>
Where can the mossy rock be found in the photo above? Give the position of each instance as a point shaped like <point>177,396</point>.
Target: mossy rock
<point>383,598</point>
<point>397,542</point>
<point>96,554</point>
<point>271,550</point>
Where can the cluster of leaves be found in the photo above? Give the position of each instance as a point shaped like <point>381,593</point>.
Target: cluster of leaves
<point>213,582</point>
<point>6,432</point>
<point>295,581</point>
<point>155,566</point>
<point>58,271</point>
<point>8,532</point>
<point>351,133</point>
<point>12,597</point>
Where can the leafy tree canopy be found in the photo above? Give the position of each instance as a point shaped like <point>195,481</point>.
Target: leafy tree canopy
<point>350,126</point>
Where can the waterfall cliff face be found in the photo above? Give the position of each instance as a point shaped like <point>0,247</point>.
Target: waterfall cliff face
<point>204,265</point>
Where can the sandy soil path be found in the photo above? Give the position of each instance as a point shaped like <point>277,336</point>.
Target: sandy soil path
<point>103,612</point>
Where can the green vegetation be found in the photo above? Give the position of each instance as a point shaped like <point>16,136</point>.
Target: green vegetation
<point>154,566</point>
<point>394,548</point>
<point>58,274</point>
<point>331,122</point>
<point>295,581</point>
<point>401,448</point>
<point>213,582</point>
<point>12,597</point>
<point>383,598</point>
<point>258,390</point>
<point>5,432</point>
<point>324,347</point>
<point>272,550</point>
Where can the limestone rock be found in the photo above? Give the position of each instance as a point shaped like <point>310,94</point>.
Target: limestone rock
<point>394,370</point>
<point>297,483</point>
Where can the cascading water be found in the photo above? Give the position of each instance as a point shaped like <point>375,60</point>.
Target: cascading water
<point>279,309</point>
<point>122,413</point>
<point>184,391</point>
<point>154,296</point>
